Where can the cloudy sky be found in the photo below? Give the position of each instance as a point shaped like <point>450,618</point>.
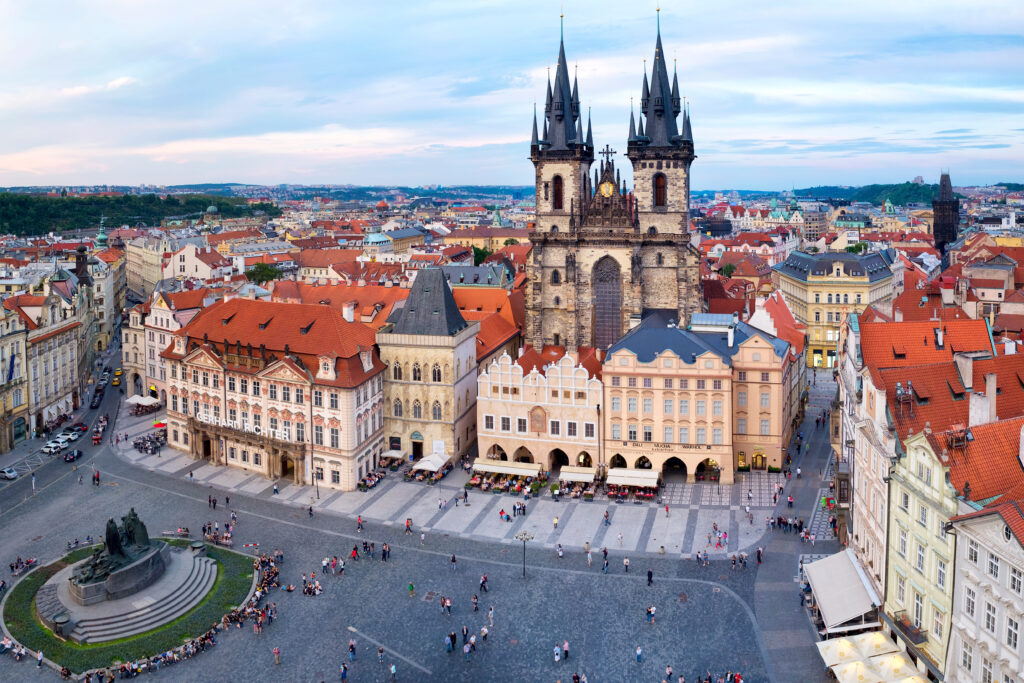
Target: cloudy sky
<point>782,93</point>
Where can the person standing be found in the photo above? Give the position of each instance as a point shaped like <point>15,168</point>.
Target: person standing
<point>39,659</point>
<point>465,650</point>
<point>453,562</point>
<point>490,616</point>
<point>483,583</point>
<point>625,564</point>
<point>639,654</point>
<point>620,539</point>
<point>380,655</point>
<point>604,569</point>
<point>650,576</point>
<point>394,672</point>
<point>558,653</point>
<point>352,649</point>
<point>590,558</point>
<point>565,649</point>
<point>277,654</point>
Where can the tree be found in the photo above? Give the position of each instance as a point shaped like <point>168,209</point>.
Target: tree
<point>511,241</point>
<point>480,254</point>
<point>727,270</point>
<point>262,272</point>
<point>857,248</point>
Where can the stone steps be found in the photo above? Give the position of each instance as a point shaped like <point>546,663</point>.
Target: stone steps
<point>195,587</point>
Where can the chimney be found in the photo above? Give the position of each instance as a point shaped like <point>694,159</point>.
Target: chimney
<point>522,350</point>
<point>348,311</point>
<point>979,411</point>
<point>732,333</point>
<point>991,393</point>
<point>897,315</point>
<point>965,366</point>
<point>1009,347</point>
<point>938,337</point>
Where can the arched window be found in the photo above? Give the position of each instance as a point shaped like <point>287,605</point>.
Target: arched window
<point>396,371</point>
<point>556,277</point>
<point>830,298</point>
<point>435,373</point>
<point>416,374</point>
<point>554,228</point>
<point>417,410</point>
<point>558,301</point>
<point>660,190</point>
<point>652,231</point>
<point>846,298</point>
<point>435,411</point>
<point>396,410</point>
<point>660,259</point>
<point>556,199</point>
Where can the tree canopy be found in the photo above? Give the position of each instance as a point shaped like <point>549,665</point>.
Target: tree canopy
<point>262,272</point>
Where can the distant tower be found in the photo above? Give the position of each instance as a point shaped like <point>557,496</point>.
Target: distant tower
<point>945,215</point>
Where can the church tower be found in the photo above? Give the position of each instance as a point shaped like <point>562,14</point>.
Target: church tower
<point>945,215</point>
<point>604,256</point>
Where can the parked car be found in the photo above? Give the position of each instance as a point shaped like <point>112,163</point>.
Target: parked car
<point>53,447</point>
<point>70,434</point>
<point>95,403</point>
<point>81,426</point>
<point>72,455</point>
<point>8,473</point>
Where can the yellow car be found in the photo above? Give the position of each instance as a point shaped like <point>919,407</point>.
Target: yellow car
<point>118,372</point>
<point>116,382</point>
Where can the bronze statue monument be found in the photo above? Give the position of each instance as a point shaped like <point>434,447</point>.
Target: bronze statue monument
<point>127,563</point>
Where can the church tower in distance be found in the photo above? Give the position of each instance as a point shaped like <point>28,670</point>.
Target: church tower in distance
<point>604,256</point>
<point>945,215</point>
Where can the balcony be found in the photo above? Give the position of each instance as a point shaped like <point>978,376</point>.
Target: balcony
<point>902,621</point>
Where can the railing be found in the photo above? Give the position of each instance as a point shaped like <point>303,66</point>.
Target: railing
<point>905,624</point>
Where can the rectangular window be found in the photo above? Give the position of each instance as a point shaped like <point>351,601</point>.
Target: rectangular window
<point>521,425</point>
<point>489,422</point>
<point>299,396</point>
<point>631,381</point>
<point>993,566</point>
<point>986,671</point>
<point>631,405</point>
<point>256,420</point>
<point>940,573</point>
<point>972,551</point>
<point>232,415</point>
<point>318,435</point>
<point>919,562</point>
<point>231,383</point>
<point>631,431</point>
<point>648,406</point>
<point>286,429</point>
<point>702,435</point>
<point>765,377</point>
<point>918,609</point>
<point>206,379</point>
<point>588,430</point>
<point>216,381</point>
<point>272,388</point>
<point>741,425</point>
<point>905,501</point>
<point>684,435</point>
<point>243,386</point>
<point>684,384</point>
<point>257,459</point>
<point>742,375</point>
<point>195,377</point>
<point>966,655</point>
<point>701,408</point>
<point>616,381</point>
<point>195,408</point>
<point>554,427</point>
<point>174,371</point>
<point>901,547</point>
<point>616,432</point>
<point>667,435</point>
<point>334,437</point>
<point>741,399</point>
<point>273,426</point>
<point>701,384</point>
<point>716,384</point>
<point>174,403</point>
<point>245,456</point>
<point>286,393</point>
<point>938,623</point>
<point>765,427</point>
<point>716,435</point>
<point>684,406</point>
<point>300,431</point>
<point>333,400</point>
<point>255,387</point>
<point>969,598</point>
<point>506,423</point>
<point>670,406</point>
<point>922,515</point>
<point>648,435</point>
<point>647,382</point>
<point>766,400</point>
<point>1015,580</point>
<point>570,429</point>
<point>990,617</point>
<point>668,383</point>
<point>1012,627</point>
<point>716,408</point>
<point>901,589</point>
<point>616,403</point>
<point>335,477</point>
<point>318,398</point>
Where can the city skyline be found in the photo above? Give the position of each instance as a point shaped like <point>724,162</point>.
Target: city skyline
<point>443,93</point>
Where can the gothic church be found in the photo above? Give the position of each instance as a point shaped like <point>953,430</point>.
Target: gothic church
<point>602,255</point>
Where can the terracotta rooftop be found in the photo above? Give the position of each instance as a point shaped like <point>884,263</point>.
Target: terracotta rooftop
<point>903,344</point>
<point>532,360</point>
<point>989,463</point>
<point>1011,511</point>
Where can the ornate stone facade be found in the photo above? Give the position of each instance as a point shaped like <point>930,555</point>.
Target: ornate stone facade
<point>603,255</point>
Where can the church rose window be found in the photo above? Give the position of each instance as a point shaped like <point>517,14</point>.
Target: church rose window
<point>607,302</point>
<point>556,200</point>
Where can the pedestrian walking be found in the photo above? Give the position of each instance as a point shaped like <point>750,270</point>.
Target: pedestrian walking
<point>590,558</point>
<point>565,649</point>
<point>604,568</point>
<point>411,593</point>
<point>483,583</point>
<point>423,537</point>
<point>666,510</point>
<point>191,479</point>
<point>310,508</point>
<point>620,539</point>
<point>607,519</point>
<point>639,654</point>
<point>394,671</point>
<point>380,655</point>
<point>275,485</point>
<point>465,634</point>
<point>453,563</point>
<point>465,651</point>
<point>476,603</point>
<point>277,655</point>
<point>39,659</point>
<point>650,576</point>
<point>558,653</point>
<point>625,564</point>
<point>556,521</point>
<point>490,616</point>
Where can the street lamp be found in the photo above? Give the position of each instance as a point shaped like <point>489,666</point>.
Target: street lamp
<point>524,536</point>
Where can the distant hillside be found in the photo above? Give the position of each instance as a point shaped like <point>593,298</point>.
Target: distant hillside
<point>1012,187</point>
<point>23,214</point>
<point>899,194</point>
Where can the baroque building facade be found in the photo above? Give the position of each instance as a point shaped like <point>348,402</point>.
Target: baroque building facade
<point>602,255</point>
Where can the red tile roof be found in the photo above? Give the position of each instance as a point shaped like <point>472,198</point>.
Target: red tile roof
<point>367,298</point>
<point>1012,512</point>
<point>989,463</point>
<point>786,326</point>
<point>903,344</point>
<point>532,360</point>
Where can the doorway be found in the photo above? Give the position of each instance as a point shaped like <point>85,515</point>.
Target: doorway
<point>674,470</point>
<point>287,468</point>
<point>417,450</point>
<point>207,449</point>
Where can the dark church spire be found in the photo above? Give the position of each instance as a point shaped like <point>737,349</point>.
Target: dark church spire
<point>590,132</point>
<point>534,141</point>
<point>632,123</point>
<point>563,112</point>
<point>945,188</point>
<point>660,109</point>
<point>687,131</point>
<point>675,90</point>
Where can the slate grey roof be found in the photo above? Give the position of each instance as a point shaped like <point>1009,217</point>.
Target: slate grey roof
<point>654,336</point>
<point>402,233</point>
<point>799,265</point>
<point>430,308</point>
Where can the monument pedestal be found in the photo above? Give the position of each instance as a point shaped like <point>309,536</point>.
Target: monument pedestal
<point>126,580</point>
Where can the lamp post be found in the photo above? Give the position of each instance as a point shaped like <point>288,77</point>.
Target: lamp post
<point>524,536</point>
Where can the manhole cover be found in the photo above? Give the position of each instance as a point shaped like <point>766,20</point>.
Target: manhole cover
<point>716,590</point>
<point>682,597</point>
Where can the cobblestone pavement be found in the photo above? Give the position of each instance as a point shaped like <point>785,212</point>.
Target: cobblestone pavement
<point>708,618</point>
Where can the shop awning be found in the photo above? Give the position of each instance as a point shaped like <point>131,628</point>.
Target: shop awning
<point>581,474</point>
<point>148,400</point>
<point>624,476</point>
<point>522,469</point>
<point>393,454</point>
<point>432,462</point>
<point>840,588</point>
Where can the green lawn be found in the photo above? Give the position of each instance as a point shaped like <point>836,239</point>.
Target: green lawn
<point>234,578</point>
